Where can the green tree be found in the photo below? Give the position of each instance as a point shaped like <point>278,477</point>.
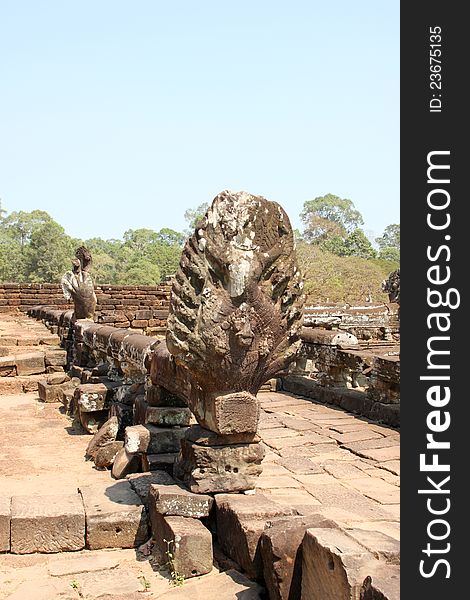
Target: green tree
<point>329,216</point>
<point>389,243</point>
<point>50,252</point>
<point>333,278</point>
<point>139,271</point>
<point>193,215</point>
<point>16,254</point>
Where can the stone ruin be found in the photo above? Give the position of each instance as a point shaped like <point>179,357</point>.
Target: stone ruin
<point>77,285</point>
<point>185,410</point>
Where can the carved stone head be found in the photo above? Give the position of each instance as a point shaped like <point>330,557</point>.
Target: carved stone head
<point>236,302</point>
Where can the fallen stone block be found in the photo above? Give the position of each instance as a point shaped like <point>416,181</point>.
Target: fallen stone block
<point>106,434</point>
<point>47,524</point>
<point>241,519</point>
<point>206,469</point>
<point>5,518</point>
<point>281,552</point>
<point>125,464</point>
<point>55,357</point>
<point>30,363</point>
<point>115,516</point>
<point>92,421</point>
<point>159,462</point>
<point>106,454</point>
<point>334,565</point>
<point>167,416</point>
<point>54,392</point>
<point>153,440</point>
<point>141,482</point>
<point>188,542</point>
<point>176,500</point>
<point>48,392</point>
<point>92,396</point>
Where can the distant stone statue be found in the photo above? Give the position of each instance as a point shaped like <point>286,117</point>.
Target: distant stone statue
<point>77,285</point>
<point>391,286</point>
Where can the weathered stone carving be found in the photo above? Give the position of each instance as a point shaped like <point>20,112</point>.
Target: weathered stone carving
<point>236,302</point>
<point>235,319</point>
<point>391,286</point>
<point>77,285</point>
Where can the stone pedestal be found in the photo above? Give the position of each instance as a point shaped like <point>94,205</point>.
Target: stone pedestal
<point>209,462</point>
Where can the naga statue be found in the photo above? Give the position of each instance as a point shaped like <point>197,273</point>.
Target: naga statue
<point>391,286</point>
<point>236,303</point>
<point>77,285</point>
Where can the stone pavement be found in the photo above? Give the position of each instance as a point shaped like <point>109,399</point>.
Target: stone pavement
<point>323,459</point>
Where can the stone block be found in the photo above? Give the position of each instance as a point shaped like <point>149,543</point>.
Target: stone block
<point>241,519</point>
<point>106,434</point>
<point>48,392</point>
<point>92,421</point>
<point>105,455</point>
<point>281,553</point>
<point>55,357</point>
<point>334,565</point>
<point>178,501</point>
<point>47,524</point>
<point>141,482</point>
<point>30,363</point>
<point>92,396</point>
<point>206,469</point>
<point>115,516</point>
<point>153,440</point>
<point>189,542</point>
<point>124,464</point>
<point>5,518</point>
<point>237,412</point>
<point>167,416</point>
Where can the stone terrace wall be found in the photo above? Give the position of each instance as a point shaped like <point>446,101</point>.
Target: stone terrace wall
<point>139,307</point>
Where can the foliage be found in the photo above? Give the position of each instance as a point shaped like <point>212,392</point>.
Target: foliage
<point>354,244</point>
<point>177,579</point>
<point>193,215</point>
<point>33,247</point>
<point>389,243</point>
<point>329,216</point>
<point>332,278</point>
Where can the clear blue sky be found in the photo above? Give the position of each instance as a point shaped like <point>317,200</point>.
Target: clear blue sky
<point>117,114</point>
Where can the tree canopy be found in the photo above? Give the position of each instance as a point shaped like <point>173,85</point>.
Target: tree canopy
<point>329,216</point>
